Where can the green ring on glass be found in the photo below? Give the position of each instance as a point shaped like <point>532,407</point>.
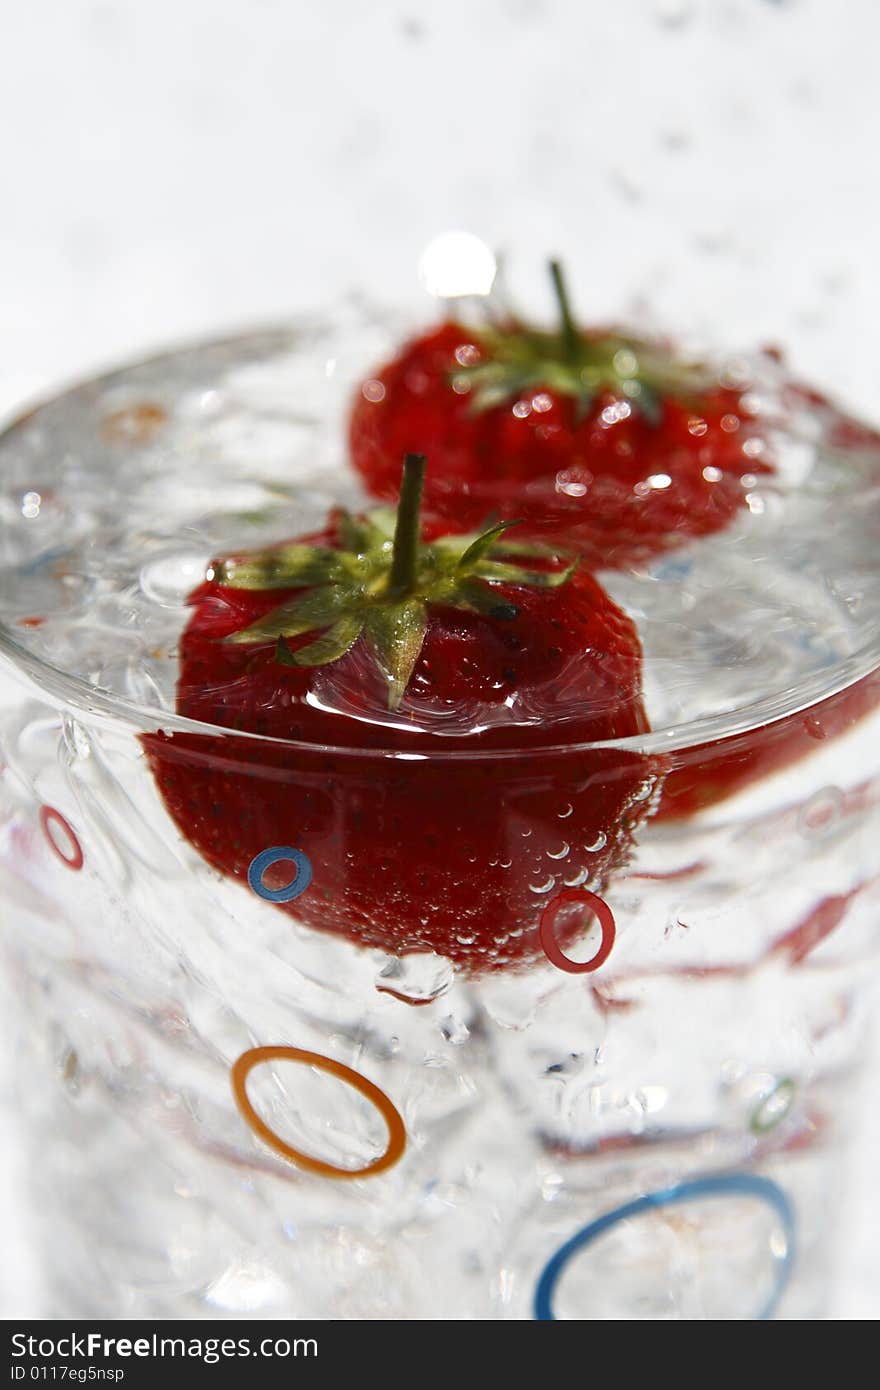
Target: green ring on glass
<point>785,1087</point>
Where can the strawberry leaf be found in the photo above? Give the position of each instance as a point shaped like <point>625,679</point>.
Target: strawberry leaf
<point>483,544</point>
<point>330,646</point>
<point>516,360</point>
<point>381,582</point>
<point>353,533</point>
<point>284,567</point>
<point>515,574</point>
<point>482,598</point>
<point>316,609</point>
<point>396,633</point>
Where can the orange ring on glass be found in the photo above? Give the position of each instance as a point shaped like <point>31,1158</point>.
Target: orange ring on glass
<point>396,1130</point>
<point>49,814</point>
<point>552,949</point>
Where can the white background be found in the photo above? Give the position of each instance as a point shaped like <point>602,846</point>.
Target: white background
<point>174,166</point>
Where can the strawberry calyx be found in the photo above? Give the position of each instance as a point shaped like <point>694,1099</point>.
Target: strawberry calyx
<point>515,358</point>
<point>381,582</point>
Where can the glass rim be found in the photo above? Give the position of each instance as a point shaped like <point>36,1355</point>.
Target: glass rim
<point>75,694</point>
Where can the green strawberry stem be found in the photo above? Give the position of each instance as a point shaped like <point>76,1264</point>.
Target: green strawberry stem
<point>404,564</point>
<point>516,359</point>
<point>380,588</point>
<point>571,339</point>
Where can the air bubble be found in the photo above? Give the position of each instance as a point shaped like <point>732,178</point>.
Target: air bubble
<point>577,880</point>
<point>545,887</point>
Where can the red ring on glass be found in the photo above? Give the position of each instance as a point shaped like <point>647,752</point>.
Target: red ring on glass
<point>387,1109</point>
<point>552,949</point>
<point>48,815</point>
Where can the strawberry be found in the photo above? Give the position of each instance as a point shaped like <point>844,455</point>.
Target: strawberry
<point>702,776</point>
<point>431,689</point>
<point>607,440</point>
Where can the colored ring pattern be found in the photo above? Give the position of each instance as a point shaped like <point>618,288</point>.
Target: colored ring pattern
<point>729,1184</point>
<point>298,884</point>
<point>783,1093</point>
<point>389,1112</point>
<point>551,947</point>
<point>49,816</point>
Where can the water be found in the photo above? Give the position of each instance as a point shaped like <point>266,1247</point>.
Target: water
<point>212,450</point>
<point>722,1034</point>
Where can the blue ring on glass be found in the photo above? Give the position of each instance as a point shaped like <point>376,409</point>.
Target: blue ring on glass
<point>299,883</point>
<point>738,1184</point>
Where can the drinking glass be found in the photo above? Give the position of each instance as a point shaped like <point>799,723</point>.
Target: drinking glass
<point>630,1097</point>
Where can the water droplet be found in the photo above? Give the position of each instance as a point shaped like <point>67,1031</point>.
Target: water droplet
<point>821,812</point>
<point>565,812</point>
<point>416,978</point>
<point>454,1030</point>
<point>614,413</point>
<point>600,842</point>
<point>168,579</point>
<point>561,853</point>
<point>210,402</point>
<point>644,791</point>
<point>467,355</point>
<point>625,362</point>
<point>778,1244</point>
<point>651,1098</point>
<point>551,1186</point>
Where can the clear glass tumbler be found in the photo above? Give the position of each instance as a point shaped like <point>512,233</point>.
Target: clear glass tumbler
<point>634,1103</point>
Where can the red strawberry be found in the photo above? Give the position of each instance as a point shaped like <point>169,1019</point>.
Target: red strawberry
<point>603,439</point>
<point>700,777</point>
<point>435,689</point>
